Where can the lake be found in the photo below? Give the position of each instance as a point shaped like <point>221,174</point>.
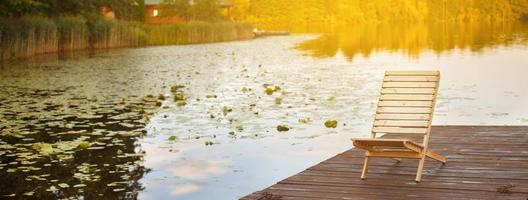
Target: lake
<point>200,121</point>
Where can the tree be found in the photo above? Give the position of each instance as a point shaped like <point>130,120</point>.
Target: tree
<point>124,9</point>
<point>180,8</point>
<point>200,10</point>
<point>205,10</point>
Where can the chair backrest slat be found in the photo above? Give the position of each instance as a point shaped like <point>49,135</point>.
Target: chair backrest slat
<point>406,103</point>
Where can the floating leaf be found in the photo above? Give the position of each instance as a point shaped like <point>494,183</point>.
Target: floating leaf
<point>173,138</point>
<point>305,120</point>
<point>331,124</point>
<point>79,185</point>
<point>43,148</point>
<point>52,189</point>
<point>181,103</point>
<point>226,110</point>
<point>282,128</point>
<point>278,100</point>
<point>30,193</point>
<point>84,144</point>
<point>245,89</point>
<point>175,88</point>
<point>268,91</point>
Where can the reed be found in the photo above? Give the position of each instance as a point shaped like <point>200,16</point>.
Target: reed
<point>113,34</point>
<point>72,33</point>
<point>29,36</point>
<point>198,32</point>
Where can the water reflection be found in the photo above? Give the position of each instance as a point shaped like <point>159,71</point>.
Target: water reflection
<point>59,144</point>
<point>413,39</point>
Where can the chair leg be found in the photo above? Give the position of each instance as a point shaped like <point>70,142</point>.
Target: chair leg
<point>365,168</point>
<point>420,168</point>
<point>436,156</point>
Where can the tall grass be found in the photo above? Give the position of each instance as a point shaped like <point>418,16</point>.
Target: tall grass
<point>198,32</point>
<point>29,36</point>
<point>112,34</point>
<point>72,33</point>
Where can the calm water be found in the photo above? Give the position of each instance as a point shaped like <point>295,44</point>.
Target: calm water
<point>195,122</point>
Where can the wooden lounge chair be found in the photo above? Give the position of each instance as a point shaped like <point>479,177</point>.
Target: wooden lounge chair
<point>405,109</point>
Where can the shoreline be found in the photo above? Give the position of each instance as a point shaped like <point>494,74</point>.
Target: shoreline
<point>92,52</point>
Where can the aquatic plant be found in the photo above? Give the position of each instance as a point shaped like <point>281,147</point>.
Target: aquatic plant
<point>330,123</point>
<point>197,32</point>
<point>282,128</point>
<point>29,36</point>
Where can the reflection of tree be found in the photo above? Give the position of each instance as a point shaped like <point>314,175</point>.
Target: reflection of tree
<point>109,169</point>
<point>412,39</point>
<point>327,46</point>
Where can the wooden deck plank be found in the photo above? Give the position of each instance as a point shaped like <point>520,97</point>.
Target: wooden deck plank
<point>481,161</point>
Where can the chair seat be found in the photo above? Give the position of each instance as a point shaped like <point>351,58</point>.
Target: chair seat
<point>385,145</point>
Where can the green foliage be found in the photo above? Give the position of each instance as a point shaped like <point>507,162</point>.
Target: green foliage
<point>176,7</point>
<point>72,32</point>
<point>199,10</point>
<point>124,9</point>
<point>198,32</point>
<point>34,35</point>
<point>18,7</point>
<point>205,10</point>
<point>27,34</point>
<point>131,10</point>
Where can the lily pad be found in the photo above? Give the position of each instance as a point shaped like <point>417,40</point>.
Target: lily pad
<point>282,128</point>
<point>175,88</point>
<point>79,185</point>
<point>305,120</point>
<point>330,123</point>
<point>30,193</point>
<point>181,103</point>
<point>278,100</point>
<point>43,148</point>
<point>173,138</point>
<point>268,90</point>
<point>226,110</point>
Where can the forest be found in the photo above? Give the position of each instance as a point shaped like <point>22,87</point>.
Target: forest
<point>357,11</point>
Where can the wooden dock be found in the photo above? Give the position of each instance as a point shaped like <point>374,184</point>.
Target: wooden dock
<point>483,162</point>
